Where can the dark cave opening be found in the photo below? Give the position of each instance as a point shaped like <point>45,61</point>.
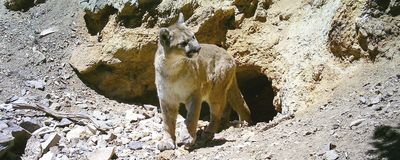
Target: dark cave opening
<point>258,93</point>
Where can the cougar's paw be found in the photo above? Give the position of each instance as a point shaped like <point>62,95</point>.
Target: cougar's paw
<point>205,138</point>
<point>166,145</point>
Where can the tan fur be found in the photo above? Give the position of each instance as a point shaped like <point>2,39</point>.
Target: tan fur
<point>208,75</point>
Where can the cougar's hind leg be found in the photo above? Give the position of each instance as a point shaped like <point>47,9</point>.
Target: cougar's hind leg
<point>217,107</point>
<point>225,119</point>
<point>236,101</point>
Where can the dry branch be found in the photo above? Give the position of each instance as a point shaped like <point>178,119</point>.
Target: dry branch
<point>60,115</point>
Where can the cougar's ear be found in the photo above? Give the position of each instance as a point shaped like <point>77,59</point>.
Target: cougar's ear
<point>164,37</point>
<point>181,19</point>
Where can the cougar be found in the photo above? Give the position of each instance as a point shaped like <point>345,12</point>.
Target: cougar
<point>189,73</point>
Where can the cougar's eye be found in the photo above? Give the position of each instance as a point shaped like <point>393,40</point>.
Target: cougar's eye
<point>182,44</point>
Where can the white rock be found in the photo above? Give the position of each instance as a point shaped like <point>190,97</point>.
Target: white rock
<point>356,122</point>
<point>99,115</point>
<point>3,125</point>
<point>125,140</point>
<point>102,154</point>
<point>48,156</point>
<point>78,132</point>
<point>118,130</point>
<point>376,99</point>
<point>331,155</point>
<point>52,140</point>
<point>40,84</point>
<point>7,107</point>
<point>62,157</point>
<point>131,116</point>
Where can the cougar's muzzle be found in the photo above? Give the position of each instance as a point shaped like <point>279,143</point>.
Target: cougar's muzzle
<point>192,48</point>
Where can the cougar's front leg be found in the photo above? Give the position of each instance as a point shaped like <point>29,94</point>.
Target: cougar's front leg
<point>169,114</point>
<point>193,107</point>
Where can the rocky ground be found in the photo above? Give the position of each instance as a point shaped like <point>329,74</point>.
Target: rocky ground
<point>337,88</point>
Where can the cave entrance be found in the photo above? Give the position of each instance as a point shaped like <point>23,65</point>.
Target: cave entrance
<point>258,93</point>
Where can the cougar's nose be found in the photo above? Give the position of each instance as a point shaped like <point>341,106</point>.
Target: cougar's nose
<point>197,48</point>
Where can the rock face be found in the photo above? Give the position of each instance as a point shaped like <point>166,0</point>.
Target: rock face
<point>365,29</point>
<point>279,41</point>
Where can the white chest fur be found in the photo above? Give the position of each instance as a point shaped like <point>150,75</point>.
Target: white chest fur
<point>173,85</point>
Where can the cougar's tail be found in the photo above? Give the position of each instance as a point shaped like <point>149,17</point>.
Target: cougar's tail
<point>236,101</point>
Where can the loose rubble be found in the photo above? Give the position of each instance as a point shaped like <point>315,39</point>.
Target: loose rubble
<point>342,103</point>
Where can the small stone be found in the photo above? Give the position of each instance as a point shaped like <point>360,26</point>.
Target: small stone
<point>64,122</point>
<point>110,137</point>
<point>82,105</point>
<point>285,16</point>
<point>101,143</point>
<point>329,147</point>
<point>6,107</point>
<point>307,133</point>
<point>102,154</point>
<point>125,140</point>
<point>335,126</point>
<point>118,130</point>
<point>261,16</point>
<point>377,108</point>
<point>135,145</point>
<point>40,84</point>
<point>91,128</point>
<point>356,122</point>
<point>99,115</point>
<point>331,155</point>
<point>363,32</point>
<point>23,92</point>
<point>388,93</point>
<point>45,103</point>
<point>136,135</point>
<point>131,116</point>
<point>268,156</point>
<point>62,157</point>
<point>55,106</point>
<point>248,136</point>
<point>77,132</point>
<point>375,100</point>
<point>20,100</point>
<point>48,156</point>
<point>363,100</point>
<point>3,125</point>
<point>11,99</point>
<point>52,140</point>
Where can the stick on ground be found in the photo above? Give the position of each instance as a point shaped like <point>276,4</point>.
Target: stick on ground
<point>60,115</point>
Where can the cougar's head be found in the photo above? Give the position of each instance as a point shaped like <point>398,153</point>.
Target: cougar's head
<point>178,39</point>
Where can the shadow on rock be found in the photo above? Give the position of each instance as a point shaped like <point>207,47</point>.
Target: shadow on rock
<point>386,142</point>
